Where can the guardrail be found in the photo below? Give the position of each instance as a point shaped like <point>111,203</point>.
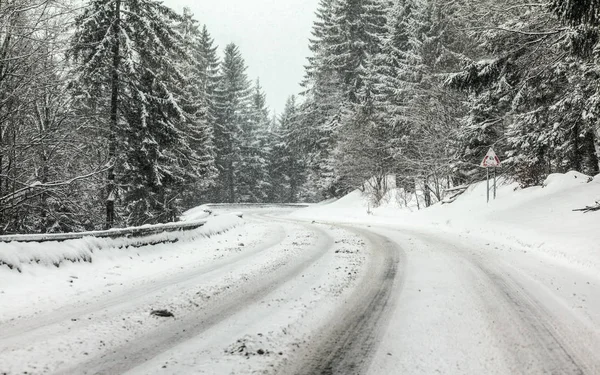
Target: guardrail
<point>142,231</point>
<point>112,233</point>
<point>297,205</point>
<point>55,249</point>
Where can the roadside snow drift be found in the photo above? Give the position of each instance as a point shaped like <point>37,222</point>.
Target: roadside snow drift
<point>539,218</point>
<point>16,255</point>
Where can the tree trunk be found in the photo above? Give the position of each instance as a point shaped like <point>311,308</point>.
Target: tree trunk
<point>3,127</point>
<point>576,159</point>
<point>1,179</point>
<point>293,192</point>
<point>597,144</point>
<point>591,153</point>
<point>230,182</point>
<point>426,193</point>
<point>112,136</point>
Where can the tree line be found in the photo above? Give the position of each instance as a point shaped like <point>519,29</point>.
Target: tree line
<point>420,89</point>
<point>123,112</point>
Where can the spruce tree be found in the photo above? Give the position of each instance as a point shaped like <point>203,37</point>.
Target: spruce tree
<point>197,103</point>
<point>232,106</point>
<point>345,34</point>
<point>254,152</point>
<point>355,37</point>
<point>351,37</point>
<point>208,67</point>
<point>287,165</point>
<point>319,114</point>
<point>529,101</point>
<point>126,51</point>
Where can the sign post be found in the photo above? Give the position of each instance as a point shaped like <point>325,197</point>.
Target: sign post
<point>491,160</point>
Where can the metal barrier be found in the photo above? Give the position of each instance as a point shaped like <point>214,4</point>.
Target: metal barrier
<point>112,233</point>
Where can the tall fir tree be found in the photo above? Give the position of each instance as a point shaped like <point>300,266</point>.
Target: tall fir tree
<point>319,114</point>
<point>197,103</point>
<point>232,106</point>
<point>351,37</point>
<point>126,51</point>
<point>253,186</point>
<point>344,35</point>
<point>355,36</point>
<point>391,85</point>
<point>287,164</point>
<point>208,67</point>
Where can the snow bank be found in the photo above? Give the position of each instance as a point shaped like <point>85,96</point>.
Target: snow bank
<point>142,230</point>
<point>539,218</point>
<point>197,213</point>
<point>357,207</point>
<point>16,255</point>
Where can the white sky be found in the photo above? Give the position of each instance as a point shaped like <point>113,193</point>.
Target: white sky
<point>272,36</point>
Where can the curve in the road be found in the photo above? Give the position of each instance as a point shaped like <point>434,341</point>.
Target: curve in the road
<point>27,331</point>
<point>126,357</point>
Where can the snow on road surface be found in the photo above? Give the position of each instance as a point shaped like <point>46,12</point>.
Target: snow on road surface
<point>512,287</point>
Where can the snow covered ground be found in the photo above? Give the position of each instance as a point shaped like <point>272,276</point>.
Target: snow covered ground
<point>47,280</point>
<point>540,219</point>
<point>487,283</point>
<point>509,287</point>
<point>96,317</point>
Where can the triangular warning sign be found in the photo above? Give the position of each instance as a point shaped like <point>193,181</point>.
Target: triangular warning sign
<point>490,160</point>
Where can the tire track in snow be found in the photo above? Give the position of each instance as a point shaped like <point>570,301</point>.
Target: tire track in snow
<point>128,356</point>
<point>530,318</point>
<point>39,326</point>
<point>533,336</point>
<point>348,348</point>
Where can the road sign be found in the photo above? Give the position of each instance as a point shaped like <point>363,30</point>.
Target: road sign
<point>490,160</point>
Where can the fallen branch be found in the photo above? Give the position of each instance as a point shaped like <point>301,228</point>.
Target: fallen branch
<point>589,208</point>
<point>455,192</point>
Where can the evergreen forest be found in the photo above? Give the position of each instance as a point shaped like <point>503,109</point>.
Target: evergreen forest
<point>119,113</point>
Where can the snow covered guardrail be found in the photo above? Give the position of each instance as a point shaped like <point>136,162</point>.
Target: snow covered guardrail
<point>19,251</point>
<point>112,233</point>
<point>249,205</point>
<point>142,231</point>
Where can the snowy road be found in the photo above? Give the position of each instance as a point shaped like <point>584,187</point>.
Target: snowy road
<point>281,296</point>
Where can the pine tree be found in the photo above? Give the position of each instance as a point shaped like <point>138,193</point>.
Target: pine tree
<point>197,103</point>
<point>365,154</point>
<point>232,105</point>
<point>392,89</point>
<point>345,34</point>
<point>351,37</point>
<point>254,153</point>
<point>320,112</point>
<point>126,51</point>
<point>372,112</point>
<point>584,37</point>
<point>209,69</point>
<point>286,167</point>
<point>529,101</point>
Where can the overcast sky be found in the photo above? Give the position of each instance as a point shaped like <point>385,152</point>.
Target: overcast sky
<point>272,36</point>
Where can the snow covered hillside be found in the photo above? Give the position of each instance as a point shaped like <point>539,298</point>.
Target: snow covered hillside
<point>539,219</point>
